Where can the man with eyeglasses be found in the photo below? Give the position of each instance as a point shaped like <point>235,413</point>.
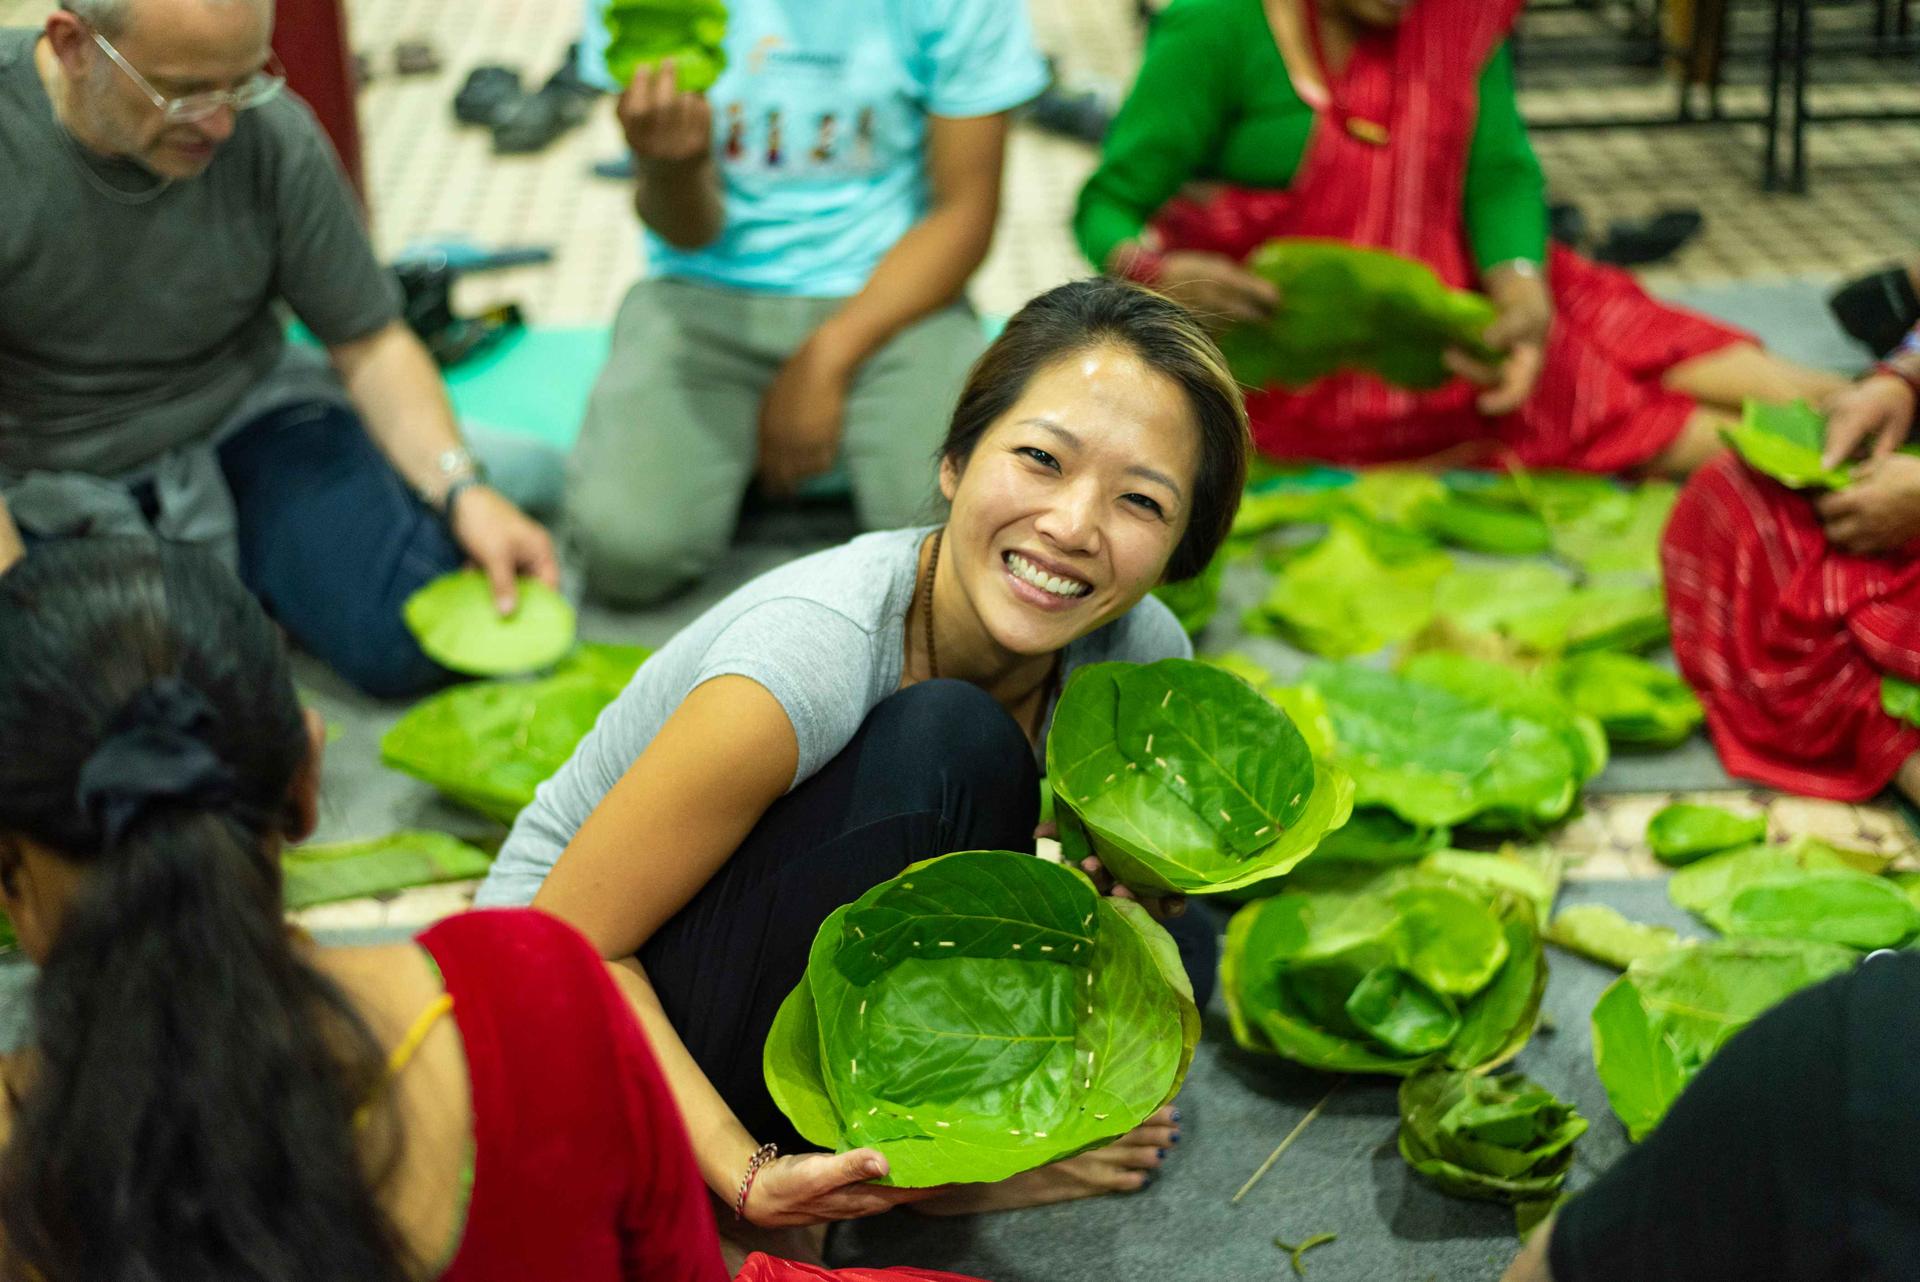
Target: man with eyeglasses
<point>160,195</point>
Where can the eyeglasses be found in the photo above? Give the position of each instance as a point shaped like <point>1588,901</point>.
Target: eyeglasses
<point>262,86</point>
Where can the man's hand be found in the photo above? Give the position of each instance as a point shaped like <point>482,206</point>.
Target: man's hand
<point>801,418</point>
<point>1218,291</point>
<point>1877,410</point>
<point>1879,512</point>
<point>1520,333</point>
<point>663,125</point>
<point>12,546</point>
<point>504,542</point>
<point>815,1188</point>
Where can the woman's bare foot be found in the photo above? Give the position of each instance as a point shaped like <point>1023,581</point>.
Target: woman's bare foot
<point>1122,1166</point>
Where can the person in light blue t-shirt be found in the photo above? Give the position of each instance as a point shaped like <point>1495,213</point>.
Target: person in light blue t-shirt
<point>811,224</point>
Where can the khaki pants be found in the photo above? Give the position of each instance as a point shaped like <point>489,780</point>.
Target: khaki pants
<point>668,446</point>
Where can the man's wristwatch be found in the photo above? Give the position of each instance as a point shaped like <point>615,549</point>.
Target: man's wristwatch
<point>455,472</point>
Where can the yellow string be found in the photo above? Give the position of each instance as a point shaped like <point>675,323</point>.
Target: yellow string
<point>409,1046</point>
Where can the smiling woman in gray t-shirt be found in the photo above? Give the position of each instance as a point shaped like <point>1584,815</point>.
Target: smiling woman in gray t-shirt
<point>881,703</point>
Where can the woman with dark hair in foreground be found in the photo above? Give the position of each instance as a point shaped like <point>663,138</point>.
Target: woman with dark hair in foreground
<point>211,1094</point>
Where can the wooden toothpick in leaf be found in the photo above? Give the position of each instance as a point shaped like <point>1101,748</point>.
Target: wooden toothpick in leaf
<point>1295,1252</point>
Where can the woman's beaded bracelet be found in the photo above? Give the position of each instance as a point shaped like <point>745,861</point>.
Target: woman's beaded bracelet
<point>761,1156</point>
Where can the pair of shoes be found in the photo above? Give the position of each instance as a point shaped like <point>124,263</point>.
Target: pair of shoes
<point>524,122</point>
<point>1877,309</point>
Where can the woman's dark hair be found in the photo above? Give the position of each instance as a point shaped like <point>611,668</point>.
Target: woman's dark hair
<point>1164,335</point>
<point>191,1110</point>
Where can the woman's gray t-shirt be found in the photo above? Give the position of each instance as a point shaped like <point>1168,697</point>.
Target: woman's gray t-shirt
<point>823,635</point>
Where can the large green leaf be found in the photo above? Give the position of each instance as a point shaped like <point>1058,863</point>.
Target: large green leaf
<point>979,1015</point>
<point>1439,756</point>
<point>1670,1013</point>
<point>458,626</point>
<point>1683,832</point>
<point>1494,1138</point>
<point>1468,521</point>
<point>1346,596</point>
<point>1384,974</point>
<point>1637,703</point>
<point>1785,442</point>
<point>1378,836</point>
<point>1602,934</point>
<point>1715,879</point>
<point>489,744</point>
<point>1485,598</point>
<point>691,32</point>
<point>1836,906</point>
<point>330,872</point>
<point>1349,307</point>
<point>1182,777</point>
<point>1601,616</point>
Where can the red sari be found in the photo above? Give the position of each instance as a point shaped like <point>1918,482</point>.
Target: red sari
<point>1599,405</point>
<point>1786,639</point>
<point>582,1170</point>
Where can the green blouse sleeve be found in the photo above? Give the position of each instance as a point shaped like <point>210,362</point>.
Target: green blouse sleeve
<point>1506,194</point>
<point>1166,132</point>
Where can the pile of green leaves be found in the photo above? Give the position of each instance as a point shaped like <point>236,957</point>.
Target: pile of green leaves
<point>1362,587</point>
<point>457,624</point>
<point>980,1015</point>
<point>1352,308</point>
<point>1451,740</point>
<point>1804,890</point>
<point>645,32</point>
<point>331,872</point>
<point>1493,1138</point>
<point>1683,832</point>
<point>489,744</point>
<point>1638,704</point>
<point>1662,1020</point>
<point>1182,777</point>
<point>1403,970</point>
<point>1477,512</point>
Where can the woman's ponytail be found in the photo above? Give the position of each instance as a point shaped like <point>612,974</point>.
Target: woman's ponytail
<point>189,1112</point>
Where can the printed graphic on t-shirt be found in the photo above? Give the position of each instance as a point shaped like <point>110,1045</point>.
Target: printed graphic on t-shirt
<point>791,116</point>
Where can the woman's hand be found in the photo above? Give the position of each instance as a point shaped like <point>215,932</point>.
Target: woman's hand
<point>1877,409</point>
<point>1217,290</point>
<point>1519,332</point>
<point>1164,908</point>
<point>815,1188</point>
<point>663,125</point>
<point>801,417</point>
<point>1879,512</point>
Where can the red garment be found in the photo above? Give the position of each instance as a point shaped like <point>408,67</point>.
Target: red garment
<point>1599,405</point>
<point>1786,639</point>
<point>582,1169</point>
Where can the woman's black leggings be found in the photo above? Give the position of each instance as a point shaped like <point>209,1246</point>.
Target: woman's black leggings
<point>936,768</point>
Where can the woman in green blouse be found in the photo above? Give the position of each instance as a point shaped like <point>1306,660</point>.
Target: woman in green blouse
<point>1392,124</point>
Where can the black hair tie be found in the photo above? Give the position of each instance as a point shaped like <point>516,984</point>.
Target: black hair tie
<point>155,752</point>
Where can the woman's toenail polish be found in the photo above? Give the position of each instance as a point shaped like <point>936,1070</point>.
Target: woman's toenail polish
<point>1176,1114</point>
<point>1175,1138</point>
<point>1161,1154</point>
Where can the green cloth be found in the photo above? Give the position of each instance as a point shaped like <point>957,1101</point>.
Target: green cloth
<point>1213,101</point>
